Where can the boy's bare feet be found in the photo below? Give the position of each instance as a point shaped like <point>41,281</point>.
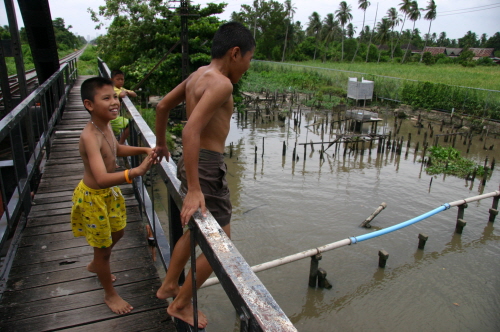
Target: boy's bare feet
<point>164,292</point>
<point>186,314</point>
<point>90,268</point>
<point>117,304</point>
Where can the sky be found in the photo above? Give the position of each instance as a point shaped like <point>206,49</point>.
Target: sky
<point>455,17</point>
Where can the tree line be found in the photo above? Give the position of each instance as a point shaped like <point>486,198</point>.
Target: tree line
<point>335,38</point>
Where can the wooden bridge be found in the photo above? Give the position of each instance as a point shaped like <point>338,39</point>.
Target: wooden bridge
<point>49,287</point>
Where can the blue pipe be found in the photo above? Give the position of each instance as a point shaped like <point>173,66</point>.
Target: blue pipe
<point>387,230</point>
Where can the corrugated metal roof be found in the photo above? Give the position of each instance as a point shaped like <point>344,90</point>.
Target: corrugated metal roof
<point>482,52</point>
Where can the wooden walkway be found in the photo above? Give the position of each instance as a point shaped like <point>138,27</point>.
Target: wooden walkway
<point>49,287</point>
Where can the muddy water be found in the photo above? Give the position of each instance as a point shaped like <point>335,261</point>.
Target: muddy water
<point>281,207</point>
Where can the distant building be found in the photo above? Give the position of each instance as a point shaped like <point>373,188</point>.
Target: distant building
<point>482,53</point>
<point>454,52</point>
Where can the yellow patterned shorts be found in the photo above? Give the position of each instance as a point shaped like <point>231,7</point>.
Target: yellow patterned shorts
<point>96,213</point>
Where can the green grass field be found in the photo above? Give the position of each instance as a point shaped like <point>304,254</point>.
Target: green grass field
<point>453,74</point>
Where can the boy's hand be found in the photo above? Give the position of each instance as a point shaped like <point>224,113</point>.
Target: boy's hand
<point>192,202</point>
<point>146,164</point>
<point>161,151</point>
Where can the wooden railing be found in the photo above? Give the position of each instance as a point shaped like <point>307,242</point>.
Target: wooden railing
<point>257,309</point>
<point>25,134</point>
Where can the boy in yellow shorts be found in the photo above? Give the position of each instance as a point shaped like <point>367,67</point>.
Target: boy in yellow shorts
<point>120,123</point>
<point>98,211</point>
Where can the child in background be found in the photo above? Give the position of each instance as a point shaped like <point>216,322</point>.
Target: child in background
<point>98,210</point>
<point>120,123</point>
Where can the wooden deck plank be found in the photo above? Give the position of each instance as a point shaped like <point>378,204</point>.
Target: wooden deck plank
<point>75,317</point>
<point>49,287</point>
<point>30,281</point>
<point>131,323</point>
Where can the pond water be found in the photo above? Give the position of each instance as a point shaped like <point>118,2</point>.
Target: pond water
<point>282,207</point>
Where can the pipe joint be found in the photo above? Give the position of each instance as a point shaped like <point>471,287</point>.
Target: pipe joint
<point>353,240</point>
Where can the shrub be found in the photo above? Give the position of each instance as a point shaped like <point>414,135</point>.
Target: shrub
<point>485,61</point>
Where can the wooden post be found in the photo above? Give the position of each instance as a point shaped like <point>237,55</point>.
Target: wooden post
<point>284,148</point>
<point>313,271</point>
<point>322,281</point>
<point>255,154</point>
<point>367,221</point>
<point>460,226</point>
<point>461,211</point>
<point>422,239</point>
<point>383,256</point>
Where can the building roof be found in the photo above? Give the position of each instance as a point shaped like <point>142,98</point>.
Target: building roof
<point>450,51</point>
<point>482,52</point>
<point>435,50</point>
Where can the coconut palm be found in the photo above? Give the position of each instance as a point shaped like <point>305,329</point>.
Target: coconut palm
<point>329,29</point>
<point>343,14</point>
<point>414,15</point>
<point>383,33</point>
<point>314,28</point>
<point>404,7</point>
<point>351,30</point>
<point>394,19</point>
<point>371,35</point>
<point>363,4</point>
<point>290,10</point>
<point>430,16</point>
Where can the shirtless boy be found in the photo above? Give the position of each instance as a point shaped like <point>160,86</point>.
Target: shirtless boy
<point>98,211</point>
<point>209,106</point>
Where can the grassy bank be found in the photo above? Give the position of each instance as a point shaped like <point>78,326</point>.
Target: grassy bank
<point>394,85</point>
<point>452,74</point>
<point>87,63</point>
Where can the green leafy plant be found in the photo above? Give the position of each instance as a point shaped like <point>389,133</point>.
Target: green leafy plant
<point>447,160</point>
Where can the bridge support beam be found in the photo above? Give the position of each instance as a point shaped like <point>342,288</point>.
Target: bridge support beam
<point>41,37</point>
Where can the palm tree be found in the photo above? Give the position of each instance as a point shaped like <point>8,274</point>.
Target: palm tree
<point>371,35</point>
<point>290,10</point>
<point>363,4</point>
<point>404,7</point>
<point>329,29</point>
<point>351,30</point>
<point>314,28</point>
<point>430,16</point>
<point>414,15</point>
<point>383,32</point>
<point>394,19</point>
<point>343,14</point>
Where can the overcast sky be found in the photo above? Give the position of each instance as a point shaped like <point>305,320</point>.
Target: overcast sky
<point>455,17</point>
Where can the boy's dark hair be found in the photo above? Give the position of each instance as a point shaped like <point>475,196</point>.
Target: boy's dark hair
<point>230,35</point>
<point>116,72</point>
<point>89,87</point>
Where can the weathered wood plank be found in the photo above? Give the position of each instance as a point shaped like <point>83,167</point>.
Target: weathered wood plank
<point>52,266</point>
<point>79,316</point>
<point>41,256</point>
<point>149,321</point>
<point>76,286</point>
<point>64,227</point>
<point>31,281</point>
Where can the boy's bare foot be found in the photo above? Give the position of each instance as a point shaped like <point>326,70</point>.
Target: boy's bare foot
<point>90,268</point>
<point>186,314</point>
<point>164,292</point>
<point>117,304</point>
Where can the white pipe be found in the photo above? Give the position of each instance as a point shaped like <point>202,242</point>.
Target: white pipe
<point>475,198</point>
<point>287,259</point>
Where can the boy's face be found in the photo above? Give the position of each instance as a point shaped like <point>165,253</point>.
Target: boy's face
<point>241,64</point>
<point>118,80</point>
<point>105,105</point>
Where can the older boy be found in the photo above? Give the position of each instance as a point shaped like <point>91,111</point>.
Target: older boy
<point>98,211</point>
<point>120,123</point>
<point>209,106</point>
